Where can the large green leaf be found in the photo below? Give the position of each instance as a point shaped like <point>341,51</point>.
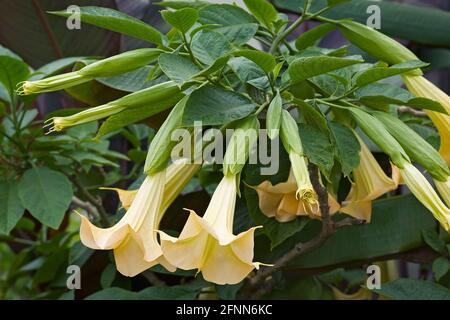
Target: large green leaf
<point>177,68</point>
<point>131,81</point>
<point>347,147</point>
<point>11,209</point>
<point>228,106</point>
<point>311,37</point>
<point>224,15</point>
<point>396,226</point>
<point>117,21</point>
<point>368,76</point>
<point>417,23</point>
<point>382,94</point>
<point>133,115</point>
<point>263,10</point>
<point>182,19</point>
<point>317,147</point>
<point>12,71</point>
<point>263,59</point>
<point>28,19</point>
<point>304,68</point>
<point>208,46</point>
<point>412,289</point>
<point>46,194</point>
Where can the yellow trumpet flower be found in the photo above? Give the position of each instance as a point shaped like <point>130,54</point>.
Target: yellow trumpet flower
<point>370,182</point>
<point>425,193</point>
<point>208,244</point>
<point>134,237</point>
<point>421,87</point>
<point>305,191</point>
<point>280,201</point>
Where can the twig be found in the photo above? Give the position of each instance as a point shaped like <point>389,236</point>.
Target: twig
<point>412,111</point>
<point>153,278</point>
<point>89,207</point>
<point>96,201</point>
<point>261,283</point>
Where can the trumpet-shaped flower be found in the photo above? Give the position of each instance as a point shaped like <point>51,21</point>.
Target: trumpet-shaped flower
<point>421,87</point>
<point>369,183</point>
<point>54,83</point>
<point>134,237</point>
<point>280,201</point>
<point>425,193</point>
<point>208,244</point>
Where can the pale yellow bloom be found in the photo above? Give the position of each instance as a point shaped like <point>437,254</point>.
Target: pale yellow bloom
<point>134,237</point>
<point>421,87</point>
<point>444,189</point>
<point>425,193</point>
<point>280,201</point>
<point>369,183</point>
<point>208,243</point>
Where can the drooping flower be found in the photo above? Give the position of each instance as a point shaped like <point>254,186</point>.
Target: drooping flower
<point>280,201</point>
<point>422,87</point>
<point>425,193</point>
<point>134,238</point>
<point>208,244</point>
<point>369,183</point>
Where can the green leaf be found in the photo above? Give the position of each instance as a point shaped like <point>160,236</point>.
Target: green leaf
<point>131,81</point>
<point>273,118</point>
<point>420,24</point>
<point>228,292</point>
<point>440,267</point>
<point>317,147</point>
<point>412,289</point>
<point>228,106</point>
<point>224,15</point>
<point>177,68</point>
<point>264,11</point>
<point>46,194</point>
<point>117,21</point>
<point>397,220</point>
<point>264,60</point>
<point>133,115</point>
<point>305,68</point>
<point>207,46</point>
<point>432,239</point>
<point>11,209</point>
<point>239,33</point>
<point>377,73</point>
<point>379,95</point>
<point>347,147</point>
<point>180,292</point>
<point>12,71</point>
<point>311,37</point>
<point>312,115</point>
<point>245,69</point>
<point>180,4</point>
<point>108,276</point>
<point>79,254</point>
<point>182,19</point>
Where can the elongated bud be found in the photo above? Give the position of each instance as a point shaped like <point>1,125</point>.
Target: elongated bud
<point>290,138</point>
<point>241,143</point>
<point>120,63</point>
<point>425,193</point>
<point>376,44</point>
<point>415,146</point>
<point>273,120</point>
<point>143,98</point>
<point>376,131</point>
<point>108,67</point>
<point>161,146</point>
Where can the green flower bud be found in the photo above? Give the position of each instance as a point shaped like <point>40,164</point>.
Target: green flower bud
<point>415,146</point>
